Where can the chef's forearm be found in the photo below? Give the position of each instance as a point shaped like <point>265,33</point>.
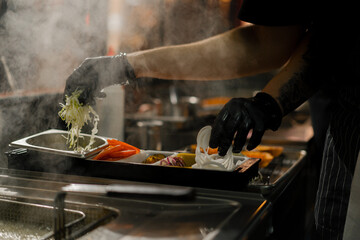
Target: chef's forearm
<point>236,53</point>
<point>293,85</point>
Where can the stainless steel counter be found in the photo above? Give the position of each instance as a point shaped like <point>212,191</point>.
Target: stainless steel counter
<point>213,214</point>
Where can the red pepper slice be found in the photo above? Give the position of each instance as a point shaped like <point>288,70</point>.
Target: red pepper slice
<point>126,145</point>
<point>122,154</point>
<point>116,150</point>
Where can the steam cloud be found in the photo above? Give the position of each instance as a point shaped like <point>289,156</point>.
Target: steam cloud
<point>43,41</point>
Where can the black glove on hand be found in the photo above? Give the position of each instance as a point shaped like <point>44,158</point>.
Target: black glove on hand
<point>94,74</point>
<point>239,116</point>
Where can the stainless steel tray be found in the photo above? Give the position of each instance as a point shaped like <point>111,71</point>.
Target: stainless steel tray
<point>280,170</point>
<point>237,179</point>
<point>54,141</point>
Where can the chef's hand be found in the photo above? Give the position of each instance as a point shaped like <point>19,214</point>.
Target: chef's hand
<point>94,74</point>
<point>239,116</point>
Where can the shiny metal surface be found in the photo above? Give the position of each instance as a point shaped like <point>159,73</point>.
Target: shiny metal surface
<point>54,141</point>
<point>279,171</point>
<point>23,220</point>
<point>212,214</point>
<point>175,192</point>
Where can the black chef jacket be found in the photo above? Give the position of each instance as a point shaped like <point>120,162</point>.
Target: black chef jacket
<point>335,65</point>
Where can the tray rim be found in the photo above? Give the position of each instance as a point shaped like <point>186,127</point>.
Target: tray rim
<point>22,143</point>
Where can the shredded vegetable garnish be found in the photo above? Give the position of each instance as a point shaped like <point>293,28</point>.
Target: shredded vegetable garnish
<point>76,115</point>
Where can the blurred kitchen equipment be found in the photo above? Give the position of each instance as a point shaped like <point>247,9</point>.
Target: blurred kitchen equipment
<point>150,134</point>
<point>185,106</point>
<point>174,100</point>
<point>111,112</point>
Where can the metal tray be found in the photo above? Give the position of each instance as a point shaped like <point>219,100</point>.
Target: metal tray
<point>219,179</point>
<point>280,170</point>
<point>54,141</point>
<point>32,160</point>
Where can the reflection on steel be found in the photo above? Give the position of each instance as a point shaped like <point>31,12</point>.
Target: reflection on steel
<point>59,216</point>
<point>54,141</point>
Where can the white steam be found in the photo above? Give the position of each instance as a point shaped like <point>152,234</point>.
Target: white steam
<point>44,41</point>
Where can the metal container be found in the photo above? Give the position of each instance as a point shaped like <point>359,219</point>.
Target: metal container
<point>54,141</point>
<point>21,220</point>
<point>215,179</point>
<point>279,171</point>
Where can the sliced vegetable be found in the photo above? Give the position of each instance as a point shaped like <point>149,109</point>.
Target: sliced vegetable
<point>116,150</point>
<point>211,161</point>
<point>172,161</point>
<point>76,115</point>
<point>209,150</point>
<point>114,142</point>
<point>265,157</point>
<point>107,151</point>
<point>189,158</point>
<point>123,153</point>
<point>154,158</point>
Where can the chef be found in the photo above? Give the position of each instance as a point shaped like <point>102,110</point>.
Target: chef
<point>311,52</point>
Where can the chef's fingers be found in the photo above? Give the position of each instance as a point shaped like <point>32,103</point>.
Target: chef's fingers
<point>255,138</point>
<point>230,128</point>
<point>224,146</point>
<point>241,135</point>
<point>217,129</point>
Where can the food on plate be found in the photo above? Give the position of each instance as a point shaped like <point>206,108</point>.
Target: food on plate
<point>211,161</point>
<point>189,158</point>
<point>154,158</point>
<point>172,161</point>
<point>176,159</point>
<point>264,152</point>
<point>116,150</point>
<point>76,115</point>
<point>209,149</point>
<point>265,157</point>
<point>273,150</point>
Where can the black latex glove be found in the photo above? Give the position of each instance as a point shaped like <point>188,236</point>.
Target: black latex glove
<point>239,116</point>
<point>94,74</point>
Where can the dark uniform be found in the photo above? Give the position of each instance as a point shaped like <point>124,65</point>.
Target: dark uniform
<point>334,66</point>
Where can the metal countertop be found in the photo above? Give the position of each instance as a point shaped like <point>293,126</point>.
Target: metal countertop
<point>213,214</point>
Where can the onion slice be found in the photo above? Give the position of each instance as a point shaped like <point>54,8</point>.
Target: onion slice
<point>213,161</point>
